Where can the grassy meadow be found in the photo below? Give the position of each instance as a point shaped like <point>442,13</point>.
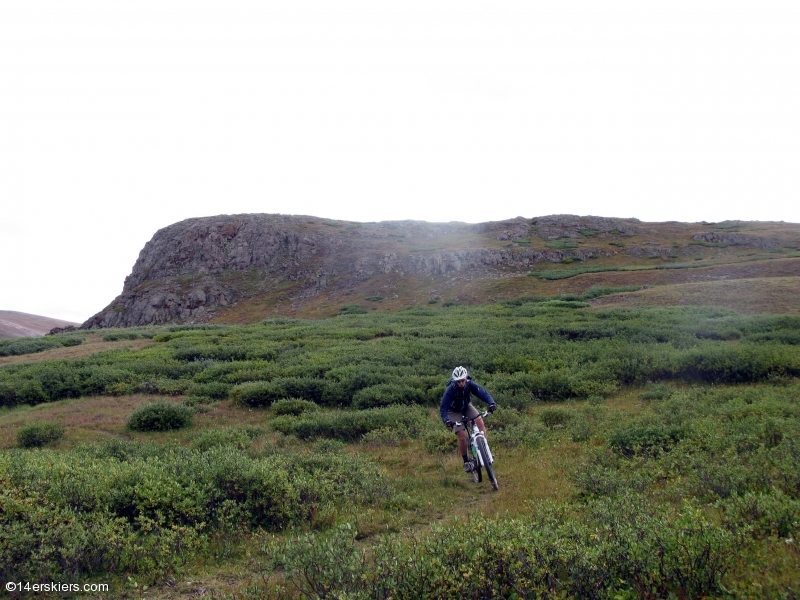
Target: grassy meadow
<point>641,452</point>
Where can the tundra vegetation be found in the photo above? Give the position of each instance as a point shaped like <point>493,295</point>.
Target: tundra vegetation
<point>642,453</point>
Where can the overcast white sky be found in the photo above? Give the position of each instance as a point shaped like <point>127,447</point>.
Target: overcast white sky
<point>119,118</point>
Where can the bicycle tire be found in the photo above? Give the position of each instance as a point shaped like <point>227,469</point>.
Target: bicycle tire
<point>477,476</point>
<point>482,448</point>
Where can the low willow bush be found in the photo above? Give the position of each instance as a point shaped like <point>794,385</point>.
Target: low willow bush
<point>239,438</point>
<point>122,335</point>
<point>141,508</point>
<point>555,417</point>
<point>351,425</point>
<point>439,441</point>
<point>264,393</point>
<point>656,391</point>
<point>383,437</point>
<point>736,448</point>
<point>627,548</point>
<point>645,439</point>
<point>217,390</point>
<point>294,407</point>
<point>256,393</point>
<point>21,346</point>
<point>169,387</point>
<point>542,349</point>
<point>385,394</point>
<point>39,434</point>
<point>160,416</point>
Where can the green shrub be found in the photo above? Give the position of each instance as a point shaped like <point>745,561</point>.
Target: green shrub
<point>553,418</point>
<point>328,446</point>
<point>522,350</point>
<point>236,437</point>
<point>352,309</point>
<point>306,388</point>
<point>160,416</point>
<point>143,509</point>
<point>597,291</point>
<point>579,430</point>
<point>293,407</point>
<point>198,403</point>
<point>762,514</point>
<point>31,392</point>
<point>386,394</point>
<point>121,335</point>
<point>440,441</point>
<point>520,433</point>
<point>656,391</point>
<point>517,400</point>
<point>170,387</point>
<point>351,425</point>
<point>39,434</point>
<point>645,439</point>
<point>256,393</point>
<point>217,390</point>
<point>609,551</point>
<point>17,347</point>
<point>264,393</point>
<point>384,436</point>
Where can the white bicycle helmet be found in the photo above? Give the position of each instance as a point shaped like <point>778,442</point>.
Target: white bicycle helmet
<point>459,373</point>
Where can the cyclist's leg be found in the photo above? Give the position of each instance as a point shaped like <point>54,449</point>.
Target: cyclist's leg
<point>459,430</point>
<point>461,434</point>
<point>462,442</point>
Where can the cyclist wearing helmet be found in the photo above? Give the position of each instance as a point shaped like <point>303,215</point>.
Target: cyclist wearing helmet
<point>456,405</point>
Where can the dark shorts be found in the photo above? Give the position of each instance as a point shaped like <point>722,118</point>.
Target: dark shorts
<point>457,415</point>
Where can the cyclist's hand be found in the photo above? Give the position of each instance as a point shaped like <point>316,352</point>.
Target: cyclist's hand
<point>492,408</point>
<point>449,424</point>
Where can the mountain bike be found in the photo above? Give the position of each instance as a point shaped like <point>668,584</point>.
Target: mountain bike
<point>479,453</point>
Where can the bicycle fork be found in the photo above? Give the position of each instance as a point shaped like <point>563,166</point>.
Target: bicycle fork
<point>475,434</point>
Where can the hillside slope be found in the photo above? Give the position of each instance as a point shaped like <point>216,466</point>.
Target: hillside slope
<point>15,324</point>
<point>244,268</point>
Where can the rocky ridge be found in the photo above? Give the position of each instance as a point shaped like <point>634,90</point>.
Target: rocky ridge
<point>192,270</point>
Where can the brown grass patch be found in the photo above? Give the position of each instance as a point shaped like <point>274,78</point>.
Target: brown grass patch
<point>517,285</point>
<point>100,417</point>
<point>778,295</point>
<point>85,419</point>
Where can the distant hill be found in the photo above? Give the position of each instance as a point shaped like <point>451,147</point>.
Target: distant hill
<point>244,268</point>
<point>18,324</point>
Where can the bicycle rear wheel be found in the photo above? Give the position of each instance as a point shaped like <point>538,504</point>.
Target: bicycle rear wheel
<point>484,451</point>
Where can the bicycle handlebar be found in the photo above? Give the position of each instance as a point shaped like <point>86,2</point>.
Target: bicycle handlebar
<point>467,419</point>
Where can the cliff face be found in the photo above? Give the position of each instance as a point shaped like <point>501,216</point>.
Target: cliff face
<point>192,270</point>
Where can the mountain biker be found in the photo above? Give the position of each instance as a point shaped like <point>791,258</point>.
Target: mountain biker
<point>455,406</point>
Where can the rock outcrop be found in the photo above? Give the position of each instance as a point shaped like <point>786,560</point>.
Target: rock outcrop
<point>192,270</point>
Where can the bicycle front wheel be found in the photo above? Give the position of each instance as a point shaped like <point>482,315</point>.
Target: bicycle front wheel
<point>476,474</point>
<point>484,452</point>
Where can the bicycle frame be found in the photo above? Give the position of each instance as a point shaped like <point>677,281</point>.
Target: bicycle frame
<point>478,447</point>
<point>473,434</point>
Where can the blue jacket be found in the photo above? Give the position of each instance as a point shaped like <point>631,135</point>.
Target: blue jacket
<point>456,399</point>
